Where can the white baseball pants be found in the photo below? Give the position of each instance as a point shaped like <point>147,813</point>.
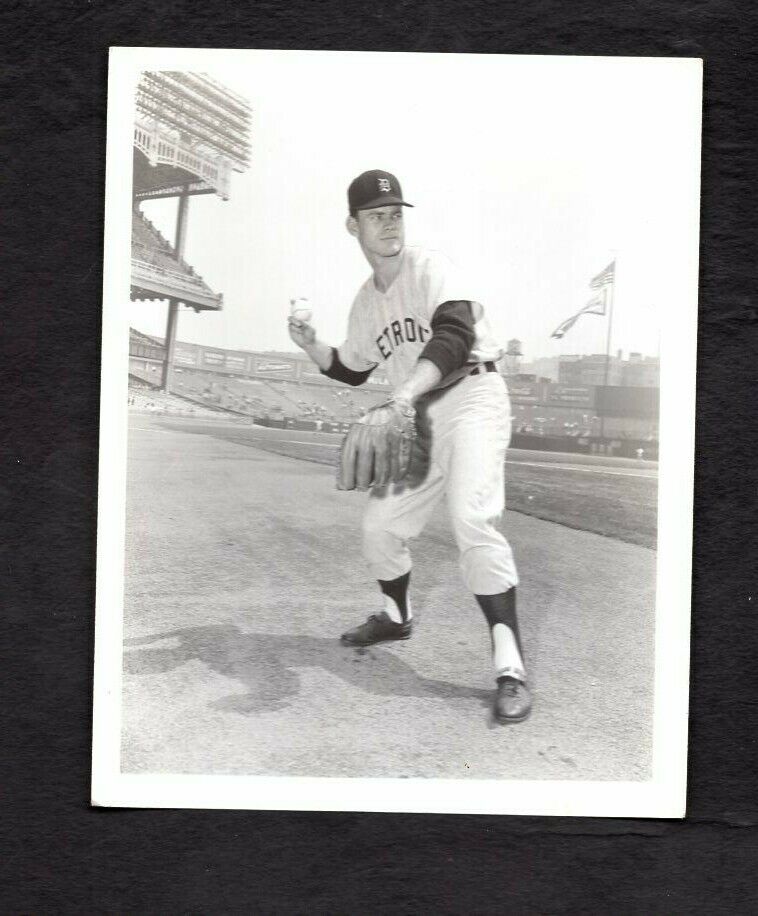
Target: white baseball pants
<point>460,454</point>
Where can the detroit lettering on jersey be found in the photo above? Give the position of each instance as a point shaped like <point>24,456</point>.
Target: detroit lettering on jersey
<point>392,328</point>
<point>400,332</point>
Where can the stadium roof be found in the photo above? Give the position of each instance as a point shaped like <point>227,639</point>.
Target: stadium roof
<point>190,133</point>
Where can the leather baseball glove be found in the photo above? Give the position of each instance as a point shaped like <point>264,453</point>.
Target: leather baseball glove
<point>377,448</point>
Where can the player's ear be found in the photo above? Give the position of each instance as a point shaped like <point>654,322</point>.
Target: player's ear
<point>351,224</point>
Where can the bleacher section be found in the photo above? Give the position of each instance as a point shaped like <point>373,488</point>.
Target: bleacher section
<point>319,402</point>
<point>153,401</point>
<point>304,406</point>
<point>249,396</point>
<point>243,383</point>
<point>158,274</point>
<point>260,397</point>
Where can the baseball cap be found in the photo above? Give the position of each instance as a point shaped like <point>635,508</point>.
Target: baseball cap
<point>375,188</point>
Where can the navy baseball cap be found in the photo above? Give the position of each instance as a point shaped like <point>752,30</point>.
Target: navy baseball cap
<point>375,188</point>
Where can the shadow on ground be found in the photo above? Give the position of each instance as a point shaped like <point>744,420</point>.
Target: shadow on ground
<point>268,665</point>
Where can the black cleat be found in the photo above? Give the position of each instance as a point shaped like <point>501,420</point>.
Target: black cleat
<point>378,628</point>
<point>513,702</point>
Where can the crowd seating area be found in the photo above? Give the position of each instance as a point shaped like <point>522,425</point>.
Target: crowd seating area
<point>249,396</point>
<point>148,244</point>
<point>542,420</point>
<point>290,405</point>
<point>153,401</point>
<point>260,397</point>
<point>150,248</point>
<point>321,402</point>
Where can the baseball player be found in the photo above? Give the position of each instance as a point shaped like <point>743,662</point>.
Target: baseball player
<point>417,319</point>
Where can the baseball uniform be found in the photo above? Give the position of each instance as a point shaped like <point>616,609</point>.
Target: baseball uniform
<point>464,423</point>
<point>425,310</point>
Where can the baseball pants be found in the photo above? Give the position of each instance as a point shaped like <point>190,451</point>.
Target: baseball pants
<point>464,432</point>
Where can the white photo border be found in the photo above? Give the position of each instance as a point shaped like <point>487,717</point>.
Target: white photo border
<point>662,796</point>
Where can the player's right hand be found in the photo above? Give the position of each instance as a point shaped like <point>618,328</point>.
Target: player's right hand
<point>301,332</point>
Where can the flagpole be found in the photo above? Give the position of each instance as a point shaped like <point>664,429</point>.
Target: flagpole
<point>607,351</point>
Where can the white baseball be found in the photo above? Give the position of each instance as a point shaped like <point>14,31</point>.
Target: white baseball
<point>300,309</point>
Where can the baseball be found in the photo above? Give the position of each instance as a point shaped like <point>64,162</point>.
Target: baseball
<point>300,309</point>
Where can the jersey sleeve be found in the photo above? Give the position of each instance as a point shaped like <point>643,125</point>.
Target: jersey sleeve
<point>354,352</point>
<point>446,282</point>
<point>452,336</point>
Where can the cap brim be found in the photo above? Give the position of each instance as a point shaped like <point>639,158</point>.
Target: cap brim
<point>383,201</point>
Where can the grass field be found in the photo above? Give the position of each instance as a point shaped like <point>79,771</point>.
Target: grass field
<point>613,497</point>
<point>616,506</point>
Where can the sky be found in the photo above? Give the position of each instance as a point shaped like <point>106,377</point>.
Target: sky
<point>531,173</point>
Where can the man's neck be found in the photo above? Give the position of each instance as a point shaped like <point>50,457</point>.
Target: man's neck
<point>386,270</point>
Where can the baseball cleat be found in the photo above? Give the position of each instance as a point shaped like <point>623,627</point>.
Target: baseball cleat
<point>378,628</point>
<point>513,702</point>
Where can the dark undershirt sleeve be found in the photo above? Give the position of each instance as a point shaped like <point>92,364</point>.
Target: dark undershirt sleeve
<point>340,372</point>
<point>452,336</point>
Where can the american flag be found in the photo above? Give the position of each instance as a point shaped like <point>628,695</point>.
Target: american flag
<point>596,306</point>
<point>604,277</point>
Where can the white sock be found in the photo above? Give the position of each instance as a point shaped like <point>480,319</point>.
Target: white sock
<point>393,611</point>
<point>505,654</point>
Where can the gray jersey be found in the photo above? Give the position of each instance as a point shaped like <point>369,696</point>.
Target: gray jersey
<point>391,329</point>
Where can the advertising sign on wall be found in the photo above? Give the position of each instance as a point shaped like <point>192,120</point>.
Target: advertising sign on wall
<point>277,367</point>
<point>524,392</point>
<point>236,363</point>
<point>185,355</point>
<point>570,395</point>
<point>215,358</point>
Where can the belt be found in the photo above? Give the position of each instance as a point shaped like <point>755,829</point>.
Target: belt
<point>481,368</point>
<point>478,369</point>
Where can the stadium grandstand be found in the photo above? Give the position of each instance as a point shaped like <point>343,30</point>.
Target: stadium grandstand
<point>282,389</point>
<point>252,389</point>
<point>190,134</point>
<point>156,401</point>
<point>158,273</point>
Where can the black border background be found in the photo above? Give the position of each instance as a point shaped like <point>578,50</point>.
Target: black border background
<point>60,855</point>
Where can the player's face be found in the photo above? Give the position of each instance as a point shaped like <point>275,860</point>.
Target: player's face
<point>381,231</point>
